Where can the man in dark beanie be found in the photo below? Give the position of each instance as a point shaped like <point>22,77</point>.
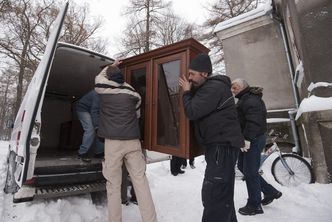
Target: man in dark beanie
<point>114,74</point>
<point>119,113</point>
<point>209,103</point>
<point>202,63</point>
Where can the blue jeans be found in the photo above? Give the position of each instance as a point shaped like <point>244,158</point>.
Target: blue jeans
<point>249,164</point>
<point>89,135</point>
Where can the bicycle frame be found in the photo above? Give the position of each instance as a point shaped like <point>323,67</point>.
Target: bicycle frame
<point>274,148</point>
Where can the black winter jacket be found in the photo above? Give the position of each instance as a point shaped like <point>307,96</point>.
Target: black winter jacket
<point>214,126</point>
<point>252,112</point>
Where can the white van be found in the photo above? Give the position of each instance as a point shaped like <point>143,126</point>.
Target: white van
<point>42,161</point>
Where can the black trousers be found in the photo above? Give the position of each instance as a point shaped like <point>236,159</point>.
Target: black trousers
<point>218,184</point>
<point>175,164</point>
<point>191,162</point>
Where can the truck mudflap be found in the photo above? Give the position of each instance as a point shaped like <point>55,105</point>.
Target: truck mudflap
<point>29,193</point>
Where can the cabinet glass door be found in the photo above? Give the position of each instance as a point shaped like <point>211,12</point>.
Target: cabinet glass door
<point>139,77</point>
<point>168,117</point>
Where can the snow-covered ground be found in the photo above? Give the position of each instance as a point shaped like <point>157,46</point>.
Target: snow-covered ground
<point>176,199</point>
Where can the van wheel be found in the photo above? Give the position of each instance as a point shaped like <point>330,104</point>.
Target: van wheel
<point>99,198</point>
<point>10,185</point>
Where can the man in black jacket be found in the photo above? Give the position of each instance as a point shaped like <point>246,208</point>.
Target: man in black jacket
<point>210,105</point>
<point>252,115</point>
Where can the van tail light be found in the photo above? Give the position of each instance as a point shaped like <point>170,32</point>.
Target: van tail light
<point>18,140</point>
<point>30,182</point>
<point>23,115</point>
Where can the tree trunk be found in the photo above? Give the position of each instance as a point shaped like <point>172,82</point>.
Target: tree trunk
<point>19,87</point>
<point>3,107</point>
<point>147,34</point>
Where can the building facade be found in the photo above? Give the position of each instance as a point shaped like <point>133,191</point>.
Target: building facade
<point>285,46</point>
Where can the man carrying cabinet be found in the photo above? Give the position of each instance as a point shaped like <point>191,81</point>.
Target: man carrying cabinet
<point>119,113</point>
<point>209,103</point>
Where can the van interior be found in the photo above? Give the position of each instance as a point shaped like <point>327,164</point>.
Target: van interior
<point>72,75</point>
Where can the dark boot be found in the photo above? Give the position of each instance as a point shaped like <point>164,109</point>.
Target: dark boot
<point>248,210</point>
<point>84,157</point>
<point>269,198</point>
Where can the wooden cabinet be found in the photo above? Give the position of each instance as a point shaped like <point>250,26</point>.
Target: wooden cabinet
<point>155,76</point>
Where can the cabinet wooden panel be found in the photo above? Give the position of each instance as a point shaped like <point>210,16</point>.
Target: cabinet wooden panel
<point>155,76</point>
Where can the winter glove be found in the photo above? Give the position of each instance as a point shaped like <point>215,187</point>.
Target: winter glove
<point>246,146</point>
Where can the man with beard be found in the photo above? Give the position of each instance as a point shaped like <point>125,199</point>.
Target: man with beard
<point>209,103</point>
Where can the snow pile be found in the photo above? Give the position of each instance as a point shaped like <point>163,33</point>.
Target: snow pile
<point>277,120</point>
<point>3,173</point>
<point>176,199</point>
<point>313,86</point>
<point>314,103</point>
<point>300,74</point>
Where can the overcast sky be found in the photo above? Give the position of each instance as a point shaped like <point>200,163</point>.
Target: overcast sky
<point>111,11</point>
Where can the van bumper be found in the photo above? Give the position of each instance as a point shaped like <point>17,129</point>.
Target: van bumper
<point>60,185</point>
<point>30,193</point>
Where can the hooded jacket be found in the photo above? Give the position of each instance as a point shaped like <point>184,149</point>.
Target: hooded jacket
<point>252,112</point>
<point>212,109</point>
<point>119,109</point>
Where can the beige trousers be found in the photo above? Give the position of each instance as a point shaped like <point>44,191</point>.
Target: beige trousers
<point>130,153</point>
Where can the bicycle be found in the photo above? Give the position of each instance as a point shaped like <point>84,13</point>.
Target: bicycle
<point>288,169</point>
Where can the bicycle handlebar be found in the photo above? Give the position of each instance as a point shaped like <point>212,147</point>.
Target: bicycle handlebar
<point>277,134</point>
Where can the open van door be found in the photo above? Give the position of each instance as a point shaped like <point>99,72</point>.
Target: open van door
<point>25,138</point>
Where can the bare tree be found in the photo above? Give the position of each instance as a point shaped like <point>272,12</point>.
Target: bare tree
<point>134,38</point>
<point>20,24</point>
<point>26,26</point>
<point>6,100</point>
<point>3,6</point>
<point>171,28</point>
<point>220,11</point>
<point>163,28</point>
<point>79,31</point>
<point>144,14</point>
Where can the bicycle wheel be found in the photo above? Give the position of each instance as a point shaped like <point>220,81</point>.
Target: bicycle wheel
<point>301,168</point>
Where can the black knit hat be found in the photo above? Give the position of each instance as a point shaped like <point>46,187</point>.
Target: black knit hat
<point>114,74</point>
<point>111,70</point>
<point>201,63</point>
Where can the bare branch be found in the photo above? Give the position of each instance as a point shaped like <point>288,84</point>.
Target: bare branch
<point>220,11</point>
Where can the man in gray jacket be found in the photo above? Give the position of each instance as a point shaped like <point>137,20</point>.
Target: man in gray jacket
<point>119,113</point>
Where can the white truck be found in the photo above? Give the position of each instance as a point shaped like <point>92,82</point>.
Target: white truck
<point>42,160</point>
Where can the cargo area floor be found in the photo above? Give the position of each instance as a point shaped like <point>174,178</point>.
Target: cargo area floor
<point>64,162</point>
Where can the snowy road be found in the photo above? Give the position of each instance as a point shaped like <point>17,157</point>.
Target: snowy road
<point>177,199</point>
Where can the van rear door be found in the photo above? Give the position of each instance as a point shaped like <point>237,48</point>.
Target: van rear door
<point>28,117</point>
